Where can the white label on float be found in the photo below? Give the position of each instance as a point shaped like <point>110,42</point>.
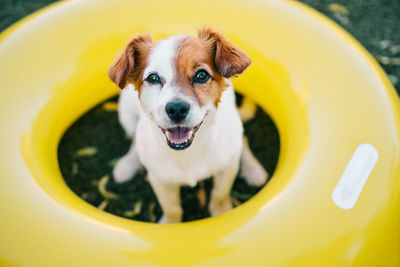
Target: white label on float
<point>354,177</point>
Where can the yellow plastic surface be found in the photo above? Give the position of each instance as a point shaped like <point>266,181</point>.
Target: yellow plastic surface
<point>324,91</point>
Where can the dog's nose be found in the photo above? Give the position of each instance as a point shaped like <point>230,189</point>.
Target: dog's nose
<point>177,111</point>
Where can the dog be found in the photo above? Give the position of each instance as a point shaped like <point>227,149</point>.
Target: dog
<point>178,105</point>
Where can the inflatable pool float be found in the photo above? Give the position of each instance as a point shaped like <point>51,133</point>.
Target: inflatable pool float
<point>333,200</point>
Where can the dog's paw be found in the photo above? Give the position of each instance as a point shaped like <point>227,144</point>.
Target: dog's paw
<point>219,207</point>
<point>125,169</point>
<point>254,174</point>
<point>165,220</point>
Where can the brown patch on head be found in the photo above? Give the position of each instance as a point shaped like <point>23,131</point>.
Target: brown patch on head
<point>213,53</point>
<point>193,55</point>
<point>228,58</point>
<point>129,65</point>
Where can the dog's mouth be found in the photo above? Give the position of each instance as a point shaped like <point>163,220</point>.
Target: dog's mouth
<point>180,137</point>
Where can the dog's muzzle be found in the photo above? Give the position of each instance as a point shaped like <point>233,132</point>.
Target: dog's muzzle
<point>180,137</point>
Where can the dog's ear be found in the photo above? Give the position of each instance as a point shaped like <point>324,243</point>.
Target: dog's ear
<point>125,65</point>
<point>228,58</point>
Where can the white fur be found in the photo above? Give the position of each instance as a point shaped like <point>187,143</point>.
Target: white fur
<point>154,97</point>
<point>216,149</point>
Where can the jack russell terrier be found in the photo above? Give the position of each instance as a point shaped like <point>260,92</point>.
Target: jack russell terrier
<point>179,106</point>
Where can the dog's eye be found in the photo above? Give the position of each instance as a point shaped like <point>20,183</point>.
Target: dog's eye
<point>153,79</point>
<point>201,76</point>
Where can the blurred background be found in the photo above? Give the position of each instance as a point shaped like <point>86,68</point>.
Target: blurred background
<point>374,23</point>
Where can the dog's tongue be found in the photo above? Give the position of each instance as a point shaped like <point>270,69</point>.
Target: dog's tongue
<point>178,134</point>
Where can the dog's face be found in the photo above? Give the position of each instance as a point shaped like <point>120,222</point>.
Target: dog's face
<point>179,79</point>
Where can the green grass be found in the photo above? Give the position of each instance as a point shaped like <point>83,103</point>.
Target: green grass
<point>13,10</point>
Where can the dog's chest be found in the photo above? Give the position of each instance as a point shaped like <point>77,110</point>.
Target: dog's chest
<point>185,167</point>
<point>188,170</point>
<point>208,155</point>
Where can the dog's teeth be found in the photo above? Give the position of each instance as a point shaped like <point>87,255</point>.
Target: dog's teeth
<point>179,143</point>
<point>169,135</point>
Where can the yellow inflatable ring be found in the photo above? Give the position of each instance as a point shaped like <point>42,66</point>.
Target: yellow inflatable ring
<point>334,199</point>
